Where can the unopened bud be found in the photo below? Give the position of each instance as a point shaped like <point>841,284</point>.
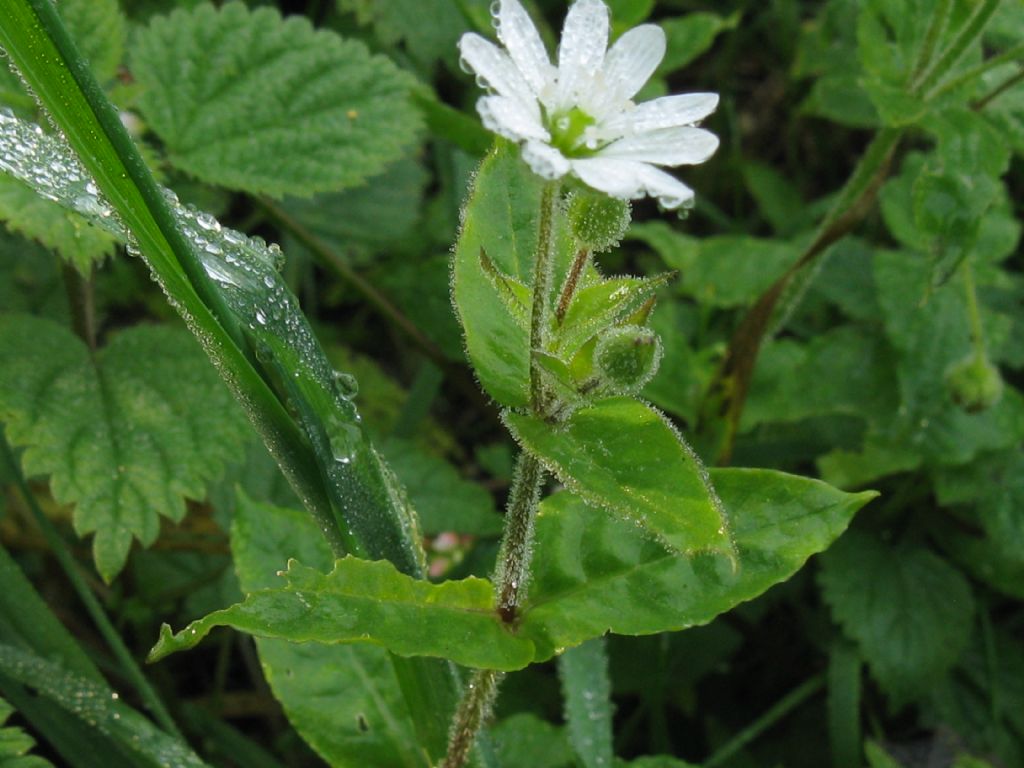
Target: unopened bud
<point>974,383</point>
<point>598,221</point>
<point>626,358</point>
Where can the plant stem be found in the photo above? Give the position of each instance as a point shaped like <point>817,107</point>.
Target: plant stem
<point>951,55</point>
<point>1006,57</point>
<point>81,300</point>
<point>854,202</point>
<point>539,310</point>
<point>973,312</point>
<point>512,573</point>
<point>92,605</point>
<point>571,282</point>
<point>776,712</point>
<point>513,570</point>
<point>474,708</point>
<point>999,90</point>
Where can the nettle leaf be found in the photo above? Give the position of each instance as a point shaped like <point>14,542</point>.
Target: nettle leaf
<point>429,29</point>
<point>126,433</point>
<point>15,744</point>
<point>623,456</point>
<point>52,225</point>
<point>370,601</point>
<point>500,220</point>
<point>596,573</point>
<point>909,611</point>
<point>344,700</point>
<point>251,101</point>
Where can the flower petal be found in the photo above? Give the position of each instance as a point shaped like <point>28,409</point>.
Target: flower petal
<point>581,51</point>
<point>517,32</point>
<point>628,65</point>
<point>508,117</point>
<point>628,179</point>
<point>546,161</point>
<point>494,67</point>
<point>666,112</point>
<point>669,146</point>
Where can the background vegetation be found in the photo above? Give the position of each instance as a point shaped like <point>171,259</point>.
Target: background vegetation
<point>891,358</point>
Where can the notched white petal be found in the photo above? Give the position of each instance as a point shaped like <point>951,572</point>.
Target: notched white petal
<point>494,67</point>
<point>627,179</point>
<point>666,112</point>
<point>632,60</point>
<point>669,190</point>
<point>668,146</point>
<point>519,35</point>
<point>618,178</point>
<point>511,118</point>
<point>581,51</point>
<point>546,161</point>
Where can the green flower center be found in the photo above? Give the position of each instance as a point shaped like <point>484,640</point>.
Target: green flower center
<point>567,131</point>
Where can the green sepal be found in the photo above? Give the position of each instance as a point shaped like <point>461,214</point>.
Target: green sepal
<point>599,306</point>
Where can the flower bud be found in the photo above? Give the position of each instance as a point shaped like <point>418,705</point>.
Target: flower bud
<point>598,221</point>
<point>626,358</point>
<point>974,383</point>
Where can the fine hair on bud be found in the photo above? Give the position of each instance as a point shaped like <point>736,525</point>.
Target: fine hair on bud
<point>974,383</point>
<point>599,222</point>
<point>626,357</point>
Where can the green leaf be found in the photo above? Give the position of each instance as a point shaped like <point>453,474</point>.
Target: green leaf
<point>525,741</point>
<point>129,732</point>
<point>15,744</point>
<point>624,457</point>
<point>724,271</point>
<point>98,28</point>
<point>877,757</point>
<point>370,601</point>
<point>26,622</point>
<point>251,101</point>
<point>909,611</point>
<point>344,700</point>
<point>689,36</point>
<point>54,226</point>
<point>429,29</point>
<point>118,431</point>
<point>443,500</point>
<point>377,215</point>
<point>594,573</point>
<point>586,689</point>
<point>500,218</point>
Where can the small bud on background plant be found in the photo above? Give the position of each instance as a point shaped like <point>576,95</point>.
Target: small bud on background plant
<point>598,221</point>
<point>626,358</point>
<point>974,383</point>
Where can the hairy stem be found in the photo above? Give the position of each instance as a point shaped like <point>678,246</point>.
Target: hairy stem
<point>513,569</point>
<point>539,309</point>
<point>473,710</point>
<point>512,573</point>
<point>92,606</point>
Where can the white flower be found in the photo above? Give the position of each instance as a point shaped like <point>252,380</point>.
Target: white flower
<point>578,117</point>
